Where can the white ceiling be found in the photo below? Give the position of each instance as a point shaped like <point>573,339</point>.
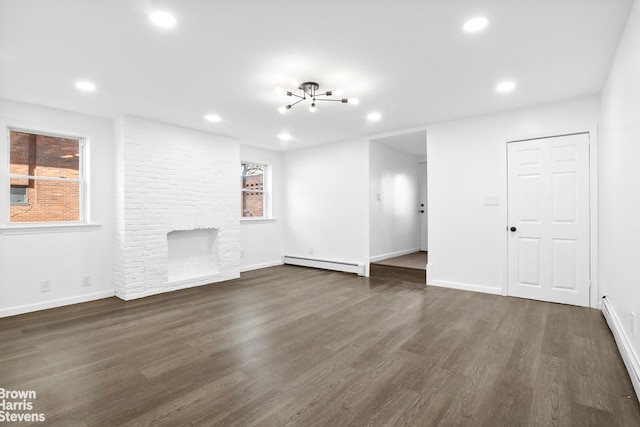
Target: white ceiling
<point>407,59</point>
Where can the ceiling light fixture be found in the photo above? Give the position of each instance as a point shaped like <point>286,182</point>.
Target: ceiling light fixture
<point>374,116</point>
<point>86,86</point>
<point>212,117</point>
<point>310,91</point>
<point>163,19</point>
<point>505,86</point>
<point>475,24</point>
<point>285,137</point>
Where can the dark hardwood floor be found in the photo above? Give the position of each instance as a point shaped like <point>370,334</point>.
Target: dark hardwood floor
<point>304,347</point>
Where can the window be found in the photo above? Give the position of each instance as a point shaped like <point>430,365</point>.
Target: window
<point>254,194</point>
<point>45,177</point>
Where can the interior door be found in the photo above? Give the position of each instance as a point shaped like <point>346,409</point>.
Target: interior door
<point>548,212</point>
<point>422,188</point>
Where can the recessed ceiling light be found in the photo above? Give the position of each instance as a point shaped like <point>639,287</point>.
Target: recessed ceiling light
<point>505,86</point>
<point>475,24</point>
<point>374,117</point>
<point>86,86</point>
<point>285,137</point>
<point>212,117</point>
<point>163,19</point>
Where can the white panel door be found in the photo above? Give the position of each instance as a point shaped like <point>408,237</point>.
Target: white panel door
<point>548,211</point>
<point>422,188</point>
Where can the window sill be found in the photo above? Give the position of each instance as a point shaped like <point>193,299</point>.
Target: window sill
<point>45,228</point>
<point>253,219</point>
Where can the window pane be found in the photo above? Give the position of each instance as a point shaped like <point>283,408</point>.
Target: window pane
<point>41,155</point>
<point>252,176</point>
<point>46,201</point>
<point>252,204</point>
<point>252,189</point>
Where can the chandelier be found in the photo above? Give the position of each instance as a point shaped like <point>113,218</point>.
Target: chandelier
<point>309,90</point>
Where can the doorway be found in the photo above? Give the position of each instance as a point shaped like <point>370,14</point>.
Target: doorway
<point>548,211</point>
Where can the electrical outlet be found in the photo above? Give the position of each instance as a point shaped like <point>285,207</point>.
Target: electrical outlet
<point>634,324</point>
<point>45,286</point>
<point>311,251</point>
<point>86,281</point>
<point>241,254</point>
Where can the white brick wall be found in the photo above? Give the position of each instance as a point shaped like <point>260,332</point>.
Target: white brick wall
<point>173,179</point>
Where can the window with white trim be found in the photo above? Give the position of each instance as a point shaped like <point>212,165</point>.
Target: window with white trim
<point>46,178</point>
<point>254,190</point>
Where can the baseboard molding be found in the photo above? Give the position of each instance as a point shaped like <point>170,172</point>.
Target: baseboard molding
<point>347,267</point>
<point>260,266</point>
<point>29,308</point>
<point>463,286</point>
<point>393,254</point>
<point>629,357</point>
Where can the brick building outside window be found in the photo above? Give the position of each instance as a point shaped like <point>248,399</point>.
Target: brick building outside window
<point>253,193</point>
<point>45,178</point>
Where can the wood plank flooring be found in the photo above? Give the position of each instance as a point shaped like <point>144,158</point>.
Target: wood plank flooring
<point>416,260</point>
<point>408,268</point>
<point>293,346</point>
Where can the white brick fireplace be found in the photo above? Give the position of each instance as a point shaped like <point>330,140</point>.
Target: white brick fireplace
<point>178,208</point>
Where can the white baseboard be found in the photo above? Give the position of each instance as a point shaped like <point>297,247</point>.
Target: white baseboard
<point>347,267</point>
<point>629,356</point>
<point>260,266</point>
<point>464,286</point>
<point>28,308</point>
<point>393,254</point>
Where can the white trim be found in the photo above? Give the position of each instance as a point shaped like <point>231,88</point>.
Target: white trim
<point>594,217</point>
<point>84,140</point>
<point>250,219</point>
<point>630,358</point>
<point>594,294</point>
<point>47,228</point>
<point>347,267</point>
<point>246,268</point>
<point>393,254</point>
<point>28,308</point>
<point>464,286</point>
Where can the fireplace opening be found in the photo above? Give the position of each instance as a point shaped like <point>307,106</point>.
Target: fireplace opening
<point>192,254</point>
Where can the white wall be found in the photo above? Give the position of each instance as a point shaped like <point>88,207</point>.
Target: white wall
<point>327,202</point>
<point>64,257</point>
<point>620,184</point>
<point>261,240</point>
<point>393,199</point>
<point>467,162</point>
<point>174,179</point>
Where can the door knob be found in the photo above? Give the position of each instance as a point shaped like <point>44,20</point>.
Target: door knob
<point>513,229</point>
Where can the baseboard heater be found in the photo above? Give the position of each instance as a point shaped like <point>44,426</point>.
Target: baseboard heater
<point>347,267</point>
<point>624,346</point>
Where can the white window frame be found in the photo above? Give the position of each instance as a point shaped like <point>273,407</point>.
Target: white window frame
<point>266,193</point>
<point>6,226</point>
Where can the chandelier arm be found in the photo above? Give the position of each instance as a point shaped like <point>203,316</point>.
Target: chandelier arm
<point>326,99</point>
<point>298,101</point>
<point>297,96</point>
